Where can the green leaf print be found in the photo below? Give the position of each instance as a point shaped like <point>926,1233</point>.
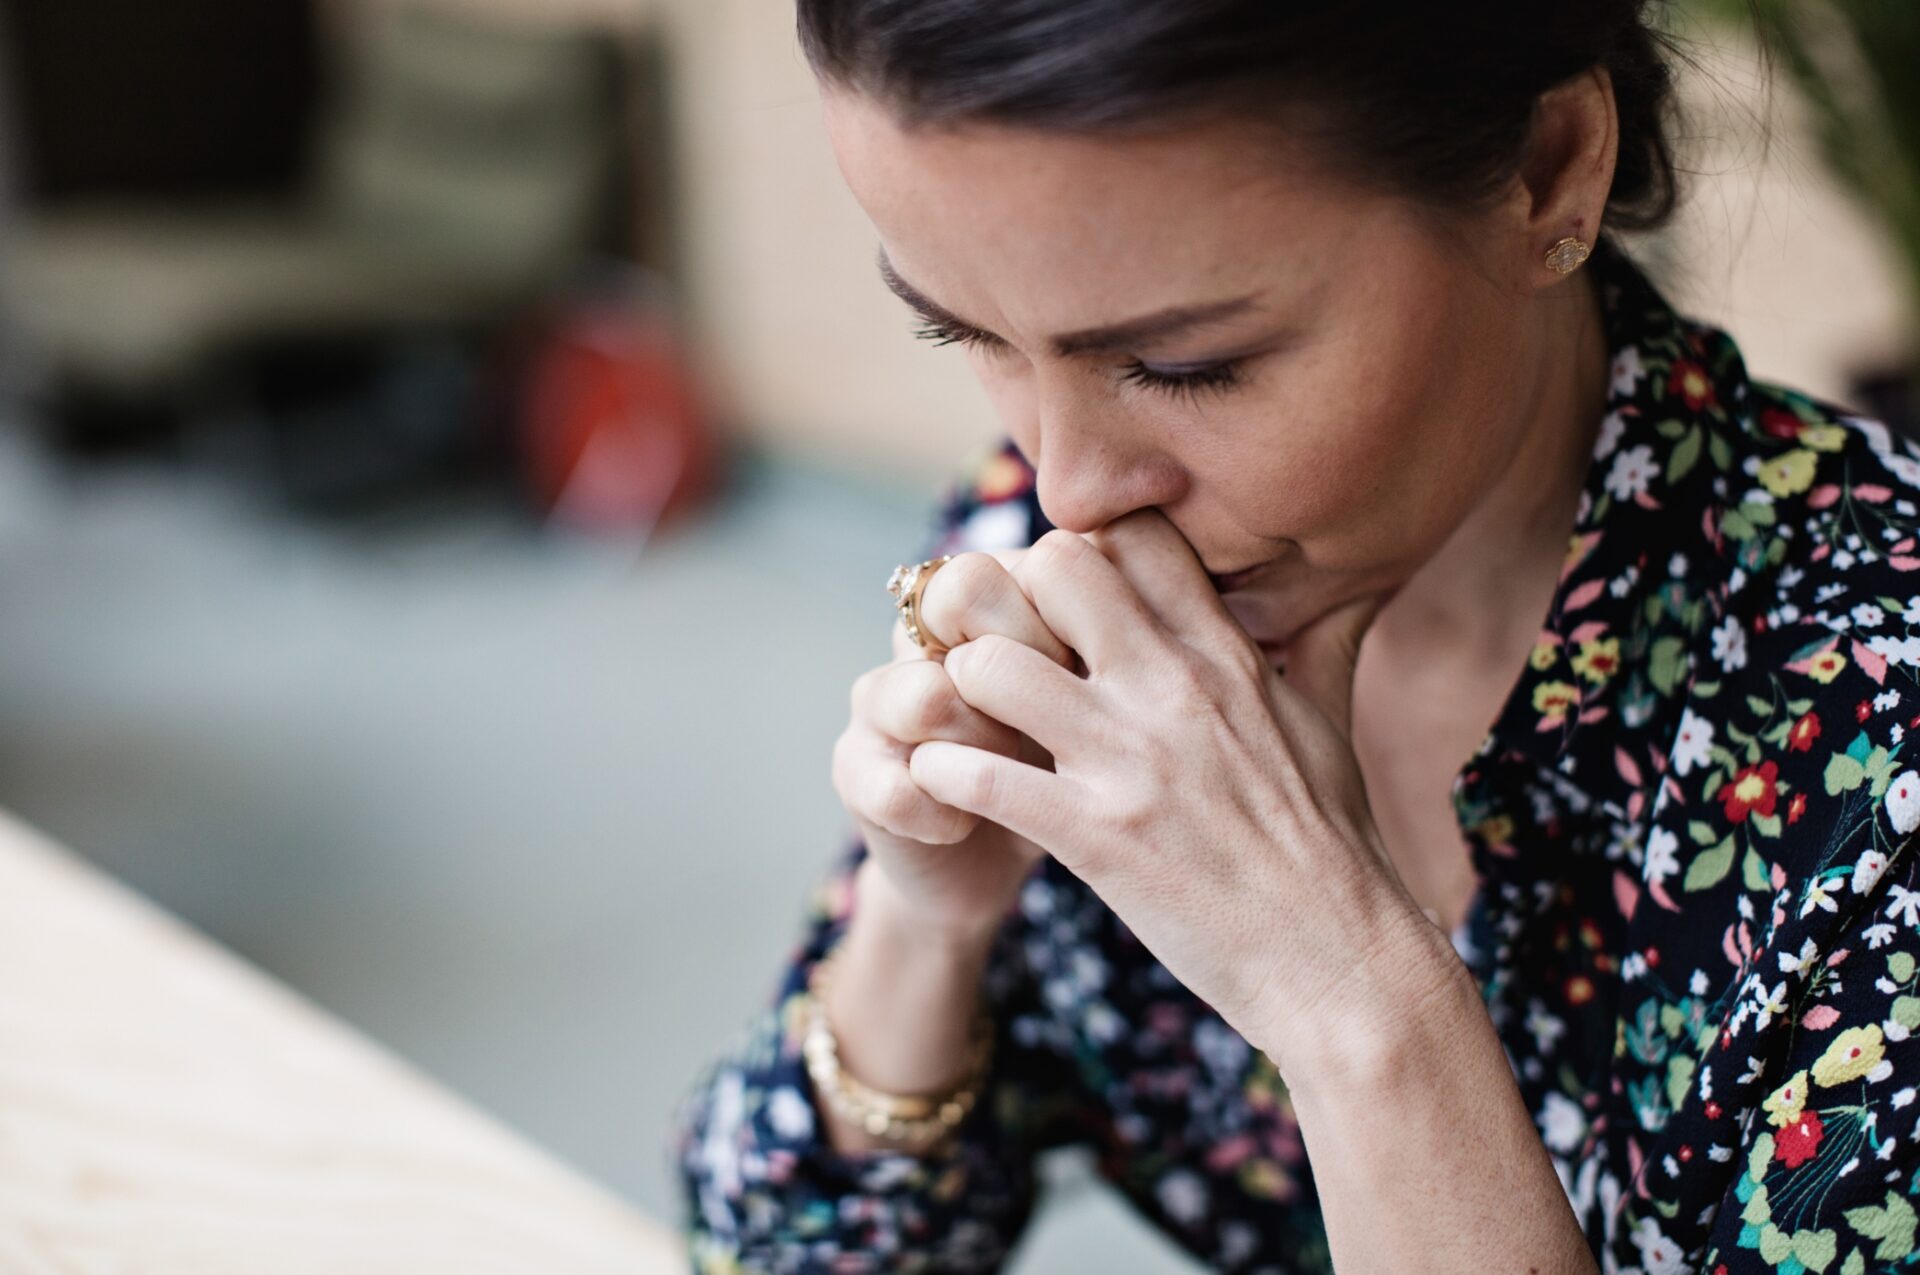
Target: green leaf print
<point>1721,451</point>
<point>1892,1224</point>
<point>1900,966</point>
<point>1679,1079</point>
<point>1709,867</point>
<point>1685,453</point>
<point>1906,1012</point>
<point>1753,871</point>
<point>1702,833</point>
<point>1844,774</point>
<point>1669,663</point>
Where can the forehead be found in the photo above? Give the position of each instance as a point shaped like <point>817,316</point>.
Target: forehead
<point>962,208</point>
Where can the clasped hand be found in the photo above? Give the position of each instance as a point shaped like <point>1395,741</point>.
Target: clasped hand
<point>1215,804</point>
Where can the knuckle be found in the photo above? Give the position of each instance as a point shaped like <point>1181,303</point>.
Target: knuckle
<point>936,707</point>
<point>896,800</point>
<point>987,656</point>
<point>1052,552</point>
<point>967,584</point>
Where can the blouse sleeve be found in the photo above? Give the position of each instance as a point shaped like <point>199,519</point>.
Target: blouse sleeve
<point>1826,1173</point>
<point>765,1190</point>
<point>763,1187</point>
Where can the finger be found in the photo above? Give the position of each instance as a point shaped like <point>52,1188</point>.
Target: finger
<point>874,785</point>
<point>1024,799</point>
<point>1082,597</point>
<point>915,700</point>
<point>1018,686</point>
<point>974,595</point>
<point>1158,562</point>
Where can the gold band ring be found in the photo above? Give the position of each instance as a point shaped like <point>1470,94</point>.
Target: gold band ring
<point>906,584</point>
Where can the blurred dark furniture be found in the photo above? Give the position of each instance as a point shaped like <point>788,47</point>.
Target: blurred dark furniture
<point>229,215</point>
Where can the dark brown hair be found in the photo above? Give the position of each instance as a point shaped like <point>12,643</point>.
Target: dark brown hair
<point>1431,100</point>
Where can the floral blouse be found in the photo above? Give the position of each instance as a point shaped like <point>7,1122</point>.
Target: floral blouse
<point>1697,930</point>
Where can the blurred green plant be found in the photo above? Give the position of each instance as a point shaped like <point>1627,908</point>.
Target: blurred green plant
<point>1856,65</point>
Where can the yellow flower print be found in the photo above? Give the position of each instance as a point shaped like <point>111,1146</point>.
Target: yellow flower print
<point>1787,1102</point>
<point>1789,472</point>
<point>1826,666</point>
<point>1598,660</point>
<point>1853,1053</point>
<point>1543,656</point>
<point>1553,699</point>
<point>1822,438</point>
<point>1497,831</point>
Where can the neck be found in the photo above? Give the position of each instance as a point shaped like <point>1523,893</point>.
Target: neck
<point>1493,579</point>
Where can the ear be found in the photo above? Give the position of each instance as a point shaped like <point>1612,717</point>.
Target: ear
<point>1568,165</point>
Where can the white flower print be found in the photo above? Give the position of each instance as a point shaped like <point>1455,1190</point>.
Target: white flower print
<point>1677,565</point>
<point>789,1113</point>
<point>1661,1255</point>
<point>1632,471</point>
<point>1912,614</point>
<point>1545,1027</point>
<point>1868,616</point>
<point>1627,369</point>
<point>1904,905</point>
<point>1879,935</point>
<point>1693,744</point>
<point>1809,954</point>
<point>1562,1123</point>
<point>1896,650</point>
<point>1817,897</point>
<point>1867,870</point>
<point>1663,857</point>
<point>1730,644</point>
<point>1612,426</point>
<point>1769,1002</point>
<point>1903,802</point>
<point>1183,1195</point>
<point>1885,700</point>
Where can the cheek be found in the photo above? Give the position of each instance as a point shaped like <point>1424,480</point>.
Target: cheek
<point>1360,467</point>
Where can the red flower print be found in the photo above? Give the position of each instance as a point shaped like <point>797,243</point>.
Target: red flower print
<point>1804,732</point>
<point>1579,989</point>
<point>1796,807</point>
<point>1713,1111</point>
<point>1692,383</point>
<point>1780,423</point>
<point>1863,710</point>
<point>1753,789</point>
<point>1799,1140</point>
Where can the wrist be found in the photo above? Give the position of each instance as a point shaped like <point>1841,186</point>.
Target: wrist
<point>1392,1015</point>
<point>904,929</point>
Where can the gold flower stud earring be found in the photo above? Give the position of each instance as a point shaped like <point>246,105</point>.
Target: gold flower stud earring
<point>1566,255</point>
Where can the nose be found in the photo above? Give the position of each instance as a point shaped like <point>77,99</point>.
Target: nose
<point>1092,467</point>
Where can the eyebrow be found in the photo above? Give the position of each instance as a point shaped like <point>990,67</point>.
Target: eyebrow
<point>1101,340</point>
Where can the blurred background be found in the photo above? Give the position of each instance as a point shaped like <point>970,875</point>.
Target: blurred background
<point>450,451</point>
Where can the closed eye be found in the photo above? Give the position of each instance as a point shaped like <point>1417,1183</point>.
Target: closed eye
<point>1189,382</point>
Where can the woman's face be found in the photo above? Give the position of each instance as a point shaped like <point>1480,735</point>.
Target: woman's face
<point>1351,381</point>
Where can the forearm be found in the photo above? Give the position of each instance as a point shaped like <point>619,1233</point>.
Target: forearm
<point>901,1004</point>
<point>1424,1154</point>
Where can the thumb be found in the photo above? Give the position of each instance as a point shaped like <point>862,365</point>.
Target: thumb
<point>1320,660</point>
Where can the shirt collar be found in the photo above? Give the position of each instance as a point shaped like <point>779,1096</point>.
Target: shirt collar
<point>1596,706</point>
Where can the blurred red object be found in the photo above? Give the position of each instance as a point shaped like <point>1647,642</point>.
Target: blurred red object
<point>614,431</point>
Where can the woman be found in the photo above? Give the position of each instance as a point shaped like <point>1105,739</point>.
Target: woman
<point>1286,317</point>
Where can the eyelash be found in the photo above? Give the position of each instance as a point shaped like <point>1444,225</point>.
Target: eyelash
<point>1218,377</point>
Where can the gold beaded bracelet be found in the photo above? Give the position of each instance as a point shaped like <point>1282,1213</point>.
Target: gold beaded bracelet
<point>895,1117</point>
